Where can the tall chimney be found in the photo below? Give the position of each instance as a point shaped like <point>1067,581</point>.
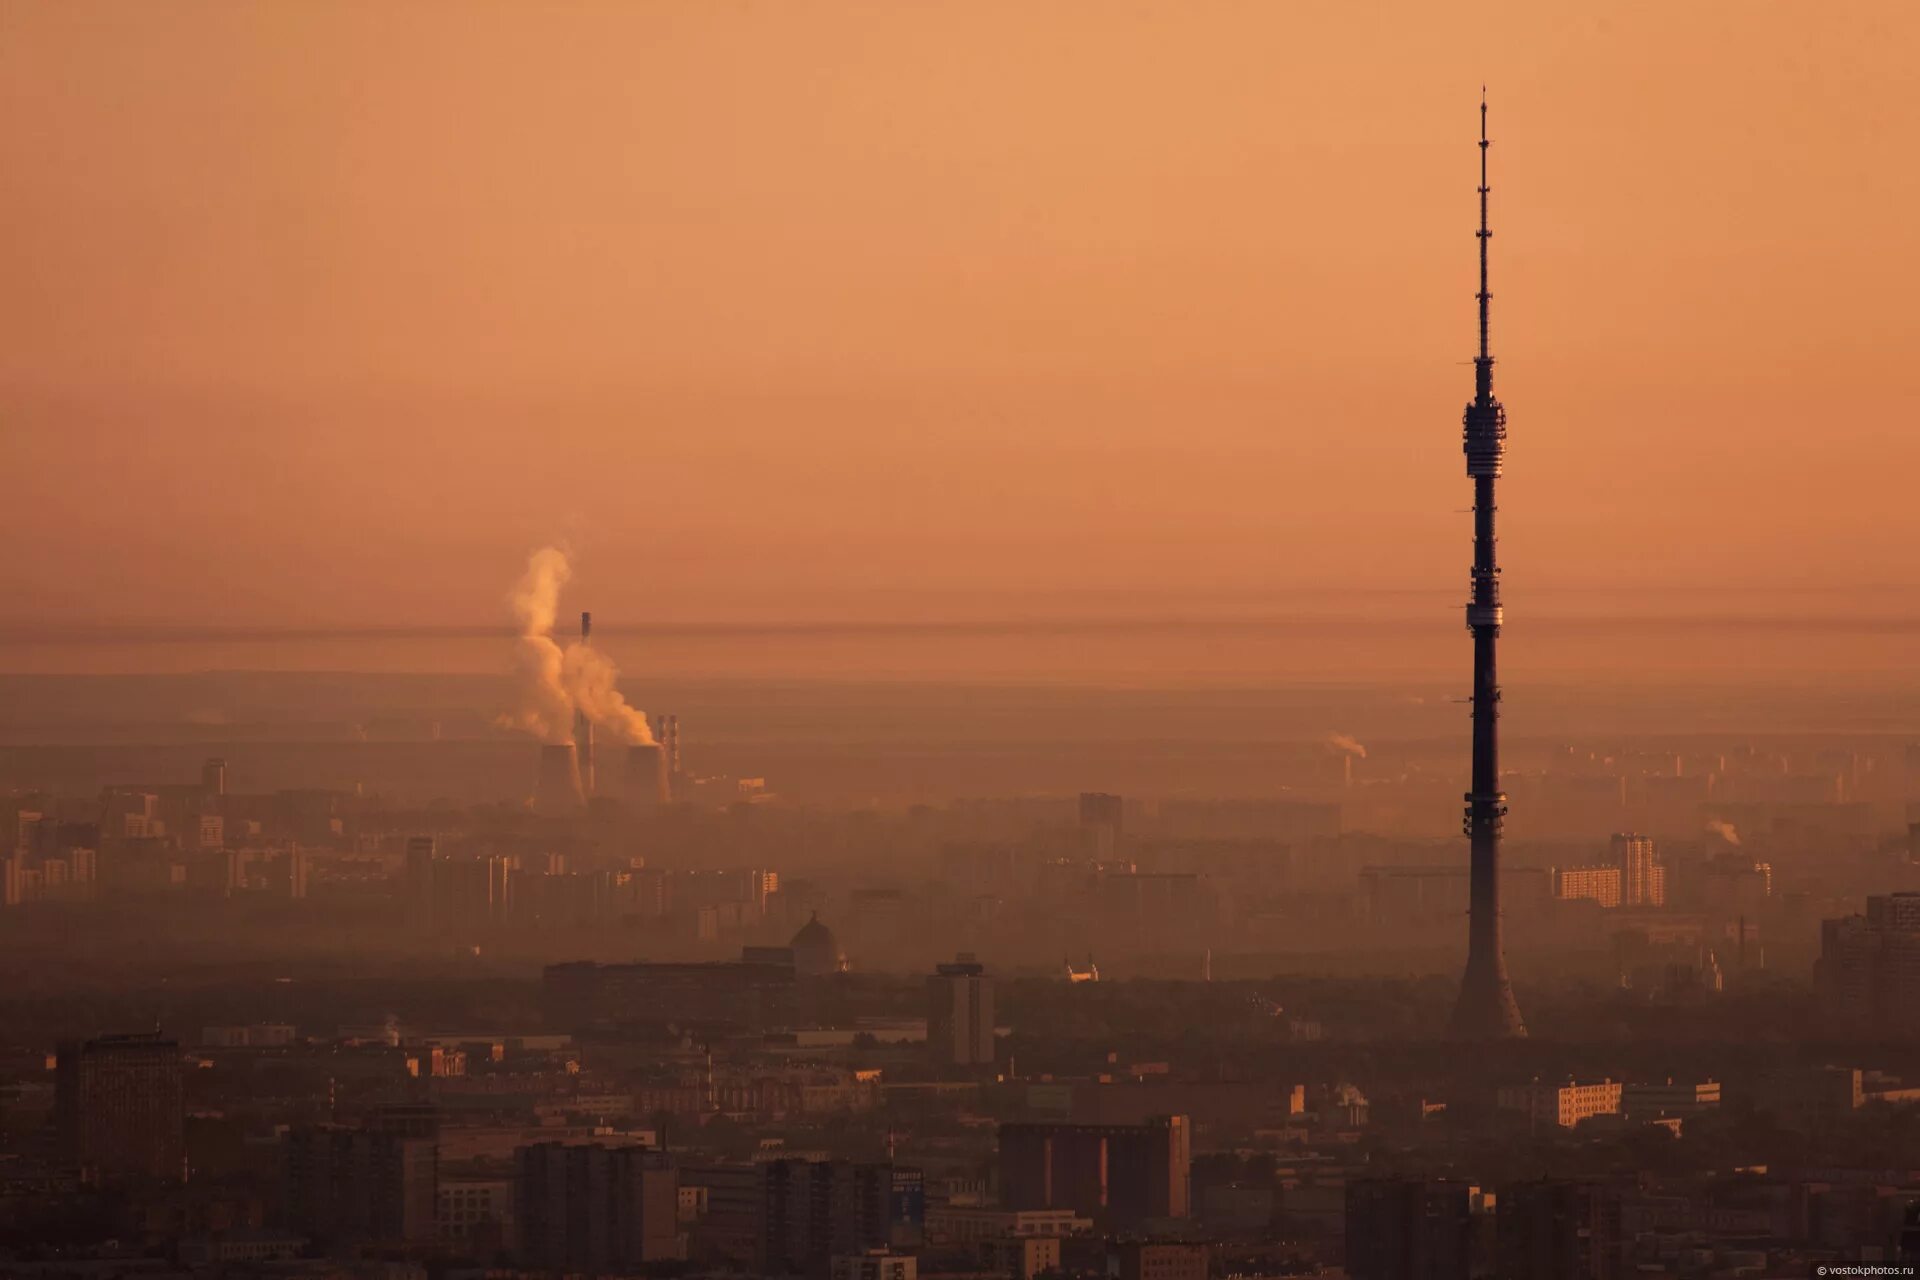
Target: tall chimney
<point>666,731</point>
<point>583,727</point>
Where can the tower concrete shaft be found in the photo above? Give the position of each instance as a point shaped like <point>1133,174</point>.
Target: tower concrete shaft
<point>1486,1008</point>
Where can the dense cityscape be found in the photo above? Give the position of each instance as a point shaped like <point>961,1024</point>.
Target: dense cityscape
<point>645,1019</point>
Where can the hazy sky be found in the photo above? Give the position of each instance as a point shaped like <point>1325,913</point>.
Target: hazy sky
<point>326,314</point>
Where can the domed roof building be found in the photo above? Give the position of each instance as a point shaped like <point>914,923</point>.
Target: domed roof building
<point>816,951</point>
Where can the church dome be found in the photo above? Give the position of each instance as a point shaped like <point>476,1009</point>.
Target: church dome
<point>816,950</point>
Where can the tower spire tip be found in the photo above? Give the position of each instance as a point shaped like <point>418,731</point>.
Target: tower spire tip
<point>1485,361</point>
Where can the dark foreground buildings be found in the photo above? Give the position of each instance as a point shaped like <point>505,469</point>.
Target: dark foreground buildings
<point>119,1107</point>
<point>594,1208</point>
<point>1119,1175</point>
<point>793,1217</point>
<point>373,1184</point>
<point>1559,1229</point>
<point>1869,969</point>
<point>1412,1229</point>
<point>1442,1229</point>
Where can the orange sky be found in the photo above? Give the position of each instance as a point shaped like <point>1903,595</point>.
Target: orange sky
<point>326,314</point>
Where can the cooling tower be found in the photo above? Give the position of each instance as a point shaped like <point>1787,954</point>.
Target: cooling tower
<point>558,787</point>
<point>646,776</point>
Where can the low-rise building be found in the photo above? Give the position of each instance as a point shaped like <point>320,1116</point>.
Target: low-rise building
<point>971,1224</point>
<point>1020,1257</point>
<point>875,1264</point>
<point>1656,1100</point>
<point>1562,1104</point>
<point>1162,1260</point>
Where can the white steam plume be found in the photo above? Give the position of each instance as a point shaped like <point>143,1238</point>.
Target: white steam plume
<point>544,708</point>
<point>1724,830</point>
<point>553,682</point>
<point>589,677</point>
<point>1347,743</point>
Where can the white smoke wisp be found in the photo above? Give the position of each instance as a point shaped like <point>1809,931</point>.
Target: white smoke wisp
<point>1348,744</point>
<point>553,683</point>
<point>1725,830</point>
<point>589,677</point>
<point>544,708</point>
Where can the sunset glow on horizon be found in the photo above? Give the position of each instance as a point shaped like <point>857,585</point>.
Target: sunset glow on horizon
<point>323,317</point>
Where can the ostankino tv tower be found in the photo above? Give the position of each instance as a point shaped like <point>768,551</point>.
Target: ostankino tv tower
<point>1486,1009</point>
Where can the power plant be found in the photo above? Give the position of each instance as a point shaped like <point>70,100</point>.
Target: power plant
<point>569,776</point>
<point>1486,1008</point>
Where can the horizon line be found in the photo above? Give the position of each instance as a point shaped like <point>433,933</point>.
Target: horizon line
<point>95,634</point>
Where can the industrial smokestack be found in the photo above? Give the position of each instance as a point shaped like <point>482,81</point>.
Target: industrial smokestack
<point>646,776</point>
<point>666,732</point>
<point>582,726</point>
<point>558,787</point>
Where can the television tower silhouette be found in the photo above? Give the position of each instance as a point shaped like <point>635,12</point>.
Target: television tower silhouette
<point>1486,1009</point>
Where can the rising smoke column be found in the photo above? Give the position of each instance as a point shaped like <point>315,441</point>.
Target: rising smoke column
<point>543,706</point>
<point>589,677</point>
<point>551,682</point>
